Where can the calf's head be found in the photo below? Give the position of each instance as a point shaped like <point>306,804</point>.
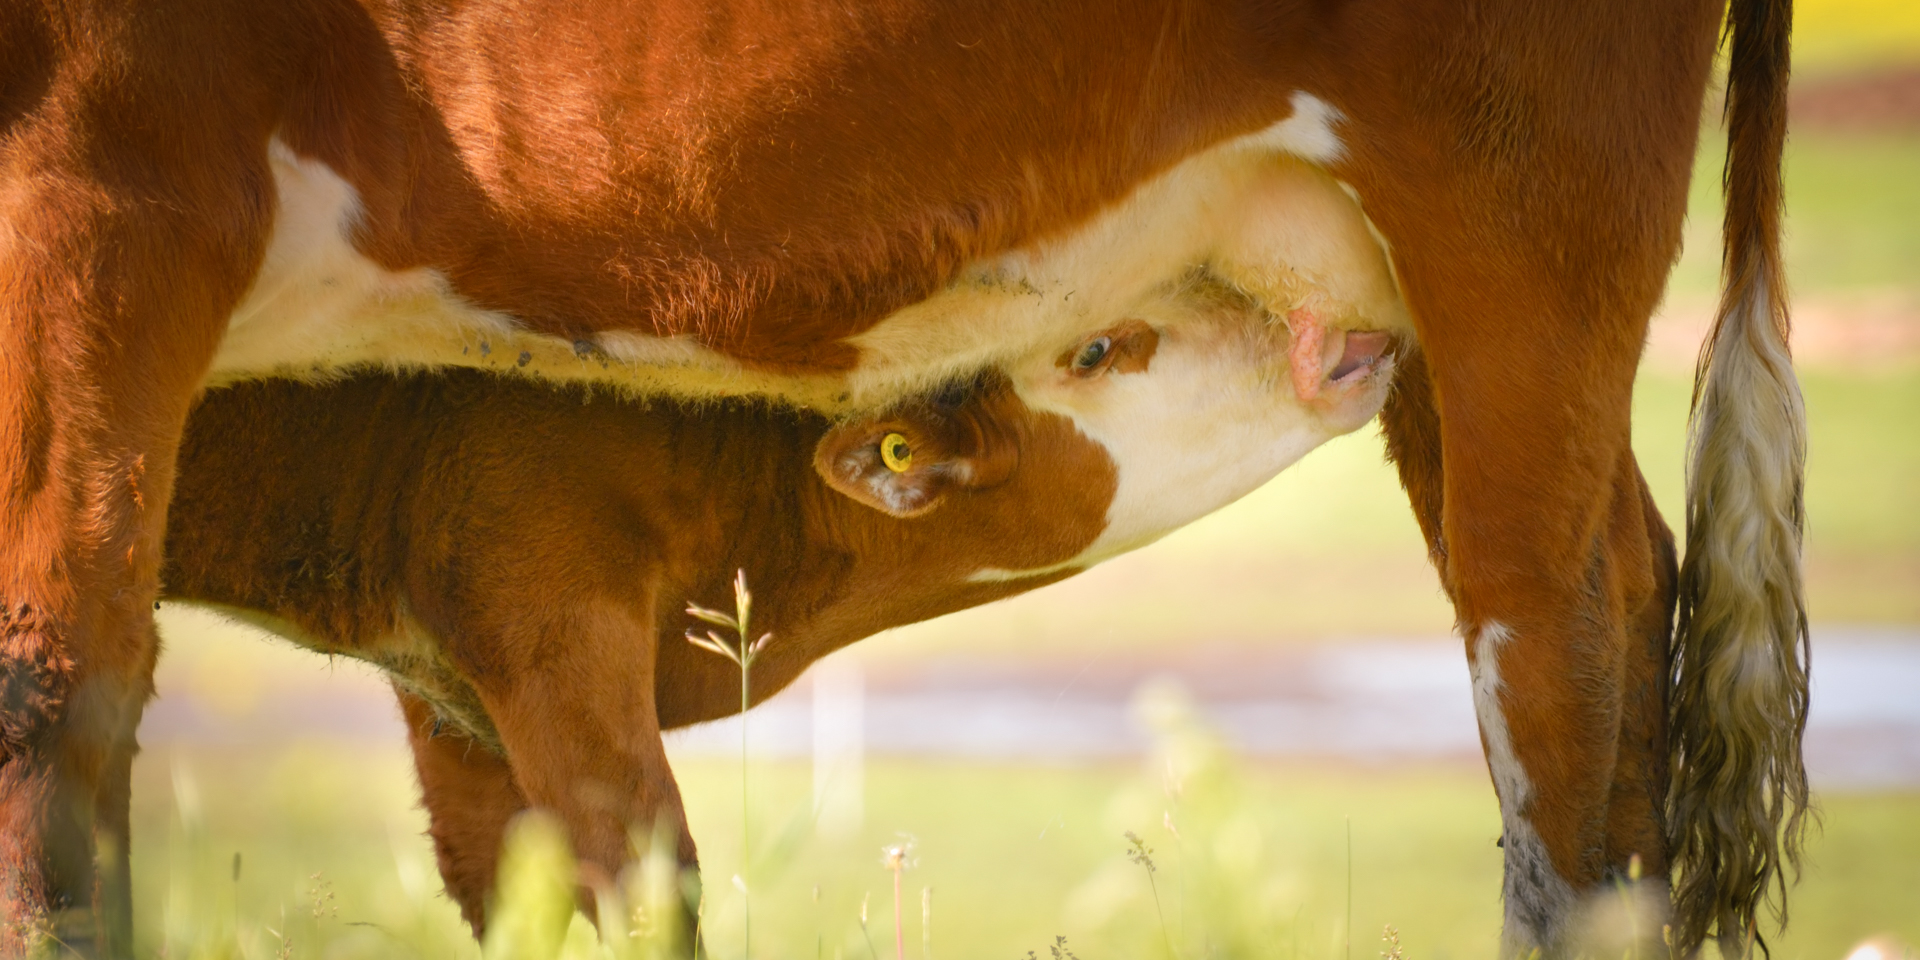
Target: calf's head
<point>1164,416</point>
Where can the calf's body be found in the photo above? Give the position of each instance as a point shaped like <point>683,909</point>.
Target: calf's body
<point>514,557</point>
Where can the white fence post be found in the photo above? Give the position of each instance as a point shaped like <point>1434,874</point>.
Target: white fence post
<point>839,746</point>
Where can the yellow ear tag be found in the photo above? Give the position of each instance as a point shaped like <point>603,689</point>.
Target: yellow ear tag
<point>895,453</point>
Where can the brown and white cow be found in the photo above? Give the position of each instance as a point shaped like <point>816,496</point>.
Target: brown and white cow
<point>521,562</point>
<point>838,206</point>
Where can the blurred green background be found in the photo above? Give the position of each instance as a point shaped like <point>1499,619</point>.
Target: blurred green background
<point>312,845</point>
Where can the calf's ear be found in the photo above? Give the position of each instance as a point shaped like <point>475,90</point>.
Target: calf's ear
<point>906,462</point>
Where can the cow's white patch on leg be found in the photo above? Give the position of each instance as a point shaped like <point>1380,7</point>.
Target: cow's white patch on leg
<point>1539,902</point>
<point>1508,776</point>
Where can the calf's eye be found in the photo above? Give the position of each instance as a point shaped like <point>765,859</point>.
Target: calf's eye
<point>896,453</point>
<point>1092,353</point>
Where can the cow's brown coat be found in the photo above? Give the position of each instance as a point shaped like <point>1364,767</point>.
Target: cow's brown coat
<point>771,178</point>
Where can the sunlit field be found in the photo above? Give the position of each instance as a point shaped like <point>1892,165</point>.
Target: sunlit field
<point>1014,855</point>
<point>259,840</point>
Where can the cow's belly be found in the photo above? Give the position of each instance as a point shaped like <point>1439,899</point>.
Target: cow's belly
<point>318,306</point>
<point>1257,212</point>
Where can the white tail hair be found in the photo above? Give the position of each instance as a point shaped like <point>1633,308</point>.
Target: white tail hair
<point>1737,806</point>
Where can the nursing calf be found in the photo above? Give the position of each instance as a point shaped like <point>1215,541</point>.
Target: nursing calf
<point>519,559</point>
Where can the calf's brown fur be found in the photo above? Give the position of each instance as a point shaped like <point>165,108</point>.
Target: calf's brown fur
<point>520,562</point>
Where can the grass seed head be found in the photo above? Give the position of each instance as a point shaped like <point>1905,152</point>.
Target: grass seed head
<point>1140,852</point>
<point>1391,938</point>
<point>899,856</point>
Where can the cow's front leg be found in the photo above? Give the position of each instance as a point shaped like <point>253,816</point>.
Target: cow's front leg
<point>120,261</point>
<point>573,701</point>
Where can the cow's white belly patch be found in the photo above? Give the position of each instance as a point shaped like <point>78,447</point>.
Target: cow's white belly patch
<point>1258,217</point>
<point>319,306</point>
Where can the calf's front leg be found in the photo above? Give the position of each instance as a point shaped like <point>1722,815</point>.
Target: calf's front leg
<point>573,702</point>
<point>470,797</point>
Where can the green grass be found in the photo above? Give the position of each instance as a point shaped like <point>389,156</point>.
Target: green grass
<point>1853,215</point>
<point>329,848</point>
<point>1015,855</point>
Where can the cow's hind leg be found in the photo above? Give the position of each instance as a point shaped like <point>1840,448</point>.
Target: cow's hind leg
<point>1573,711</point>
<point>1531,257</point>
<point>1532,225</point>
<point>1570,685</point>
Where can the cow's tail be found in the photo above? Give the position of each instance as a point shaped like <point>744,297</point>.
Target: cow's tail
<point>1738,803</point>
